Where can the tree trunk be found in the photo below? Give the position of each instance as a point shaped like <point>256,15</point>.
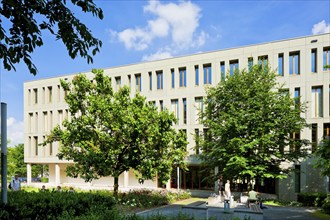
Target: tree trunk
<point>116,186</point>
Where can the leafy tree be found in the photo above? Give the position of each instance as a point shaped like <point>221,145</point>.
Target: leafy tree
<point>16,163</point>
<point>253,126</point>
<point>110,133</point>
<point>323,157</point>
<point>22,23</point>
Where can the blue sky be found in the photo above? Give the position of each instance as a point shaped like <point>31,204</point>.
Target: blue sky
<point>135,31</point>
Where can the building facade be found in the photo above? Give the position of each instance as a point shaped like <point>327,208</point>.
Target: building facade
<point>178,84</point>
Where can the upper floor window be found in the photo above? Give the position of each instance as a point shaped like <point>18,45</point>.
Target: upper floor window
<point>207,74</point>
<point>172,78</point>
<point>233,64</point>
<point>161,105</point>
<point>250,63</point>
<point>263,61</point>
<point>294,63</point>
<point>159,75</point>
<point>129,81</point>
<point>326,130</point>
<point>184,102</point>
<point>118,82</point>
<point>297,95</point>
<point>317,101</point>
<point>150,81</point>
<point>50,94</point>
<point>138,82</point>
<point>222,70</point>
<point>326,58</point>
<point>35,93</point>
<point>199,107</point>
<point>182,77</point>
<point>314,60</point>
<point>196,75</point>
<point>175,108</point>
<point>314,137</point>
<point>280,67</point>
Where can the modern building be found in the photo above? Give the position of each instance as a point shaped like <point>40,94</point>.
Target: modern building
<point>179,85</point>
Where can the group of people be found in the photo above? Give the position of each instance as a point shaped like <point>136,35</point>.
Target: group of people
<point>224,190</point>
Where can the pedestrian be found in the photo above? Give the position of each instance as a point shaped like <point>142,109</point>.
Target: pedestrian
<point>220,186</point>
<point>15,184</point>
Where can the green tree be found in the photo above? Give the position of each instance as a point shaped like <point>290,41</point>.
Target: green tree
<point>110,133</point>
<point>253,126</point>
<point>22,23</point>
<point>322,154</point>
<point>16,163</point>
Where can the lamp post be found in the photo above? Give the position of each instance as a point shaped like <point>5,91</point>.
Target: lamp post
<point>4,152</point>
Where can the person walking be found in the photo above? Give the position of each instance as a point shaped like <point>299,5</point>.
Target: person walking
<point>16,184</point>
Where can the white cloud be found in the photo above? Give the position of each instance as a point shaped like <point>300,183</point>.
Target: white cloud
<point>15,131</point>
<point>321,28</point>
<point>159,55</point>
<point>179,21</point>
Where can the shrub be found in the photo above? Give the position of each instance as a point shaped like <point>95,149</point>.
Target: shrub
<point>326,205</point>
<point>44,179</point>
<point>311,199</point>
<point>54,205</point>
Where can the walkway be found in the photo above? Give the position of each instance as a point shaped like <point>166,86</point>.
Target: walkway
<point>270,213</point>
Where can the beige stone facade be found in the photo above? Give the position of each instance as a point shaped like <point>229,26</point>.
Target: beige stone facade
<point>179,85</point>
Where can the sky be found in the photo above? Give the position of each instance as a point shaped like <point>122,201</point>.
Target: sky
<point>136,31</point>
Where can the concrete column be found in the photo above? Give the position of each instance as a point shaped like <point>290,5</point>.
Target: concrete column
<point>126,179</point>
<point>29,173</point>
<point>168,184</point>
<point>57,174</point>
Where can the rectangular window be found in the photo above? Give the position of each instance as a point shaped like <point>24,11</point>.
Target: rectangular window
<point>263,61</point>
<point>314,137</point>
<point>45,120</point>
<point>326,58</point>
<point>161,105</point>
<point>183,77</point>
<point>314,60</point>
<point>197,140</point>
<point>50,120</point>
<point>29,96</point>
<point>199,108</point>
<point>297,95</point>
<point>280,68</point>
<point>295,147</point>
<point>207,74</point>
<point>35,145</point>
<point>58,93</point>
<point>175,108</point>
<point>206,134</point>
<point>317,101</point>
<point>250,63</point>
<point>294,63</point>
<point>172,78</point>
<point>297,178</point>
<point>43,95</point>
<point>30,121</point>
<point>50,94</point>
<point>150,81</point>
<point>159,75</point>
<point>118,82</point>
<point>233,65</point>
<point>35,94</point>
<point>129,81</point>
<point>326,130</point>
<point>138,83</point>
<point>222,70</point>
<point>184,102</point>
<point>196,75</point>
<point>60,118</point>
<point>36,120</point>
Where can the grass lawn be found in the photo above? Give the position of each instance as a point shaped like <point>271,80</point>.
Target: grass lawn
<point>321,215</point>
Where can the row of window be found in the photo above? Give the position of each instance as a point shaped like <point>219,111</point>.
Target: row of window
<point>294,69</point>
<point>35,148</point>
<point>47,95</point>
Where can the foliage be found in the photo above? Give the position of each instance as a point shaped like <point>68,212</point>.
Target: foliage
<point>110,132</point>
<point>55,205</point>
<point>144,198</point>
<point>326,205</point>
<point>16,163</point>
<point>23,22</point>
<point>249,120</point>
<point>323,157</point>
